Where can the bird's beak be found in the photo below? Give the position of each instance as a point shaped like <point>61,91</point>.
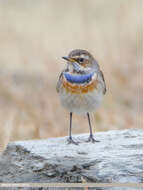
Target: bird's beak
<point>71,60</point>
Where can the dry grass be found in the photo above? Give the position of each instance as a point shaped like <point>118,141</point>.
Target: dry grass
<point>33,37</point>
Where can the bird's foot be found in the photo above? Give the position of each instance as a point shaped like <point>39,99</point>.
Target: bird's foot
<point>71,141</point>
<point>91,139</point>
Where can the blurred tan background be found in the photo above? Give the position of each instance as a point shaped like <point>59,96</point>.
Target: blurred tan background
<point>34,35</point>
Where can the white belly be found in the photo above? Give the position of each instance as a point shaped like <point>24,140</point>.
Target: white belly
<point>81,103</point>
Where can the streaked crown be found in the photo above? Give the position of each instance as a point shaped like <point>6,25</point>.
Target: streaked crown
<point>83,57</point>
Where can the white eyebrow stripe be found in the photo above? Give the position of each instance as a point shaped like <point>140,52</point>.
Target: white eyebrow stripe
<point>84,56</point>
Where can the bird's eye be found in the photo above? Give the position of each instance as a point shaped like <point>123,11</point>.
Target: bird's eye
<point>81,60</point>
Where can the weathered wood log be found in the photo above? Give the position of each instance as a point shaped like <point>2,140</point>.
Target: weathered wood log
<point>117,158</point>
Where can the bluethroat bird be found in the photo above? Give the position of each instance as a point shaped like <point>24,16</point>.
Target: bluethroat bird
<point>81,87</point>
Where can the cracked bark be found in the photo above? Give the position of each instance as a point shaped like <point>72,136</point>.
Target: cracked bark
<point>117,158</point>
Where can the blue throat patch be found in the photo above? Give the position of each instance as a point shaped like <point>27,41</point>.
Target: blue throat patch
<point>79,78</point>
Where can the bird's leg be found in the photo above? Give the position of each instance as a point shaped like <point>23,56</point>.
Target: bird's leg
<point>70,139</point>
<point>91,138</point>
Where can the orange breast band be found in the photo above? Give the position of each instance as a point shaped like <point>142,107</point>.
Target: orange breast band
<point>79,88</point>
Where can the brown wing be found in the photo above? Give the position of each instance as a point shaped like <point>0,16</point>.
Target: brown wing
<point>103,82</point>
<point>59,82</point>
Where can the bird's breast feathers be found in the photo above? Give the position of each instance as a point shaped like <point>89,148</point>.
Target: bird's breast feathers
<point>78,78</point>
<point>79,83</point>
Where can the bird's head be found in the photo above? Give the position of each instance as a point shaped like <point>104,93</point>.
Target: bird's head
<point>81,60</point>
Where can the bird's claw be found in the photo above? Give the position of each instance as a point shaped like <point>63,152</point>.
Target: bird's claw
<point>91,139</point>
<point>71,141</point>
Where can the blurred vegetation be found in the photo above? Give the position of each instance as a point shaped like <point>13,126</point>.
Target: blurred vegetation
<point>34,35</point>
